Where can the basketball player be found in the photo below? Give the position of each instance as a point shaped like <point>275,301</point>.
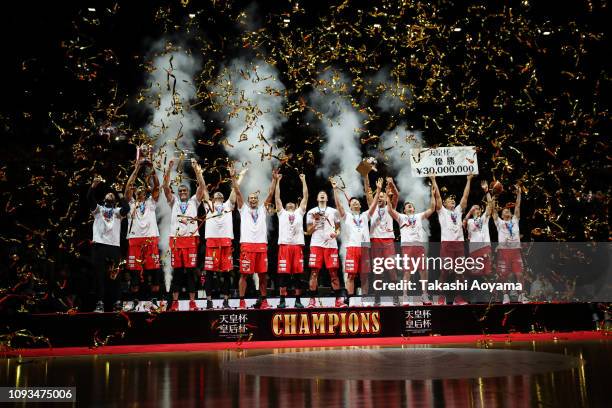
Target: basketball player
<point>219,234</point>
<point>355,223</point>
<point>413,236</point>
<point>184,235</point>
<point>291,243</point>
<point>106,251</point>
<point>509,245</point>
<point>143,236</point>
<point>323,223</point>
<point>451,229</point>
<point>477,225</point>
<point>253,239</point>
<point>381,227</point>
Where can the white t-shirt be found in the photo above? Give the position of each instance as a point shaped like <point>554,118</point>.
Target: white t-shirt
<point>356,229</point>
<point>451,227</point>
<point>324,226</point>
<point>291,227</point>
<point>381,224</point>
<point>253,225</point>
<point>411,229</point>
<point>478,232</point>
<point>219,223</point>
<point>141,219</point>
<point>183,222</point>
<point>508,234</point>
<point>107,226</point>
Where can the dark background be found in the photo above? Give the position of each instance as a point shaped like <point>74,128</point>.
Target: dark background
<point>69,72</point>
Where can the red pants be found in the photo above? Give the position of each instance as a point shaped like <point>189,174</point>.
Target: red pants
<point>290,258</point>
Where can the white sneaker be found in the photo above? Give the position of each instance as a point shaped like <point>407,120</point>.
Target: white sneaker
<point>523,298</point>
<point>425,299</point>
<point>506,299</point>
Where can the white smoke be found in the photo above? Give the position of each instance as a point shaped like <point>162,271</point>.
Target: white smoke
<point>340,123</point>
<point>397,144</point>
<point>392,93</point>
<point>251,98</point>
<point>173,125</point>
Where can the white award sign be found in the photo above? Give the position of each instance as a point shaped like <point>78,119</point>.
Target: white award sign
<point>444,161</point>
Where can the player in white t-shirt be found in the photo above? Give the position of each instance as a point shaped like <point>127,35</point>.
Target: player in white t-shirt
<point>413,236</point>
<point>357,232</point>
<point>106,251</point>
<point>184,235</point>
<point>476,223</point>
<point>382,236</point>
<point>323,224</point>
<point>451,231</point>
<point>254,240</point>
<point>143,236</point>
<point>219,234</point>
<point>509,259</point>
<point>291,243</point>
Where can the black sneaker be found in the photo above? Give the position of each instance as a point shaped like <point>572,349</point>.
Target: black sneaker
<point>376,300</point>
<point>209,304</point>
<point>99,307</point>
<point>257,304</point>
<point>396,301</point>
<point>226,304</point>
<point>118,307</point>
<point>298,304</point>
<point>154,303</point>
<point>282,304</point>
<point>133,306</point>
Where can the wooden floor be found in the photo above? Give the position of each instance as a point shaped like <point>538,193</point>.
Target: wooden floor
<point>513,374</point>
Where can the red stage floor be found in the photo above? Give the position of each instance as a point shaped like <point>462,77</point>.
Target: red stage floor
<point>340,342</point>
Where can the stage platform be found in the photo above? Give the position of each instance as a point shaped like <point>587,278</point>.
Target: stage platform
<point>270,325</point>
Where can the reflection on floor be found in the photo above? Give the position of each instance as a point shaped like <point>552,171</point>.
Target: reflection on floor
<point>472,375</point>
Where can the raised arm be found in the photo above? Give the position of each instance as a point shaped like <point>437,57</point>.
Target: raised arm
<point>437,194</point>
<point>166,183</point>
<point>395,192</point>
<point>432,203</point>
<point>277,197</point>
<point>366,189</point>
<point>337,201</point>
<point>374,203</point>
<point>124,206</point>
<point>154,187</point>
<point>466,192</point>
<point>202,190</point>
<point>129,186</point>
<point>236,188</point>
<point>517,205</point>
<point>304,201</point>
<point>394,214</point>
<point>270,196</point>
<point>91,196</point>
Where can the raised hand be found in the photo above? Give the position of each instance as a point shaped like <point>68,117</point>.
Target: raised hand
<point>333,183</point>
<point>484,185</point>
<point>379,183</point>
<point>302,177</point>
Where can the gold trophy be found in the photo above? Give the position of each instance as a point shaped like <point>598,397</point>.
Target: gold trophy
<point>367,165</point>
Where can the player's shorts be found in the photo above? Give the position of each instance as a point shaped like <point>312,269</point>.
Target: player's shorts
<point>485,254</point>
<point>319,256</point>
<point>509,260</point>
<point>357,261</point>
<point>143,253</point>
<point>451,249</point>
<point>184,251</point>
<point>253,258</point>
<point>382,248</point>
<point>290,258</point>
<point>218,255</point>
<point>417,252</point>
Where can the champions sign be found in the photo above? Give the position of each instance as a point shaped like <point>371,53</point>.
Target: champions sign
<point>326,323</point>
